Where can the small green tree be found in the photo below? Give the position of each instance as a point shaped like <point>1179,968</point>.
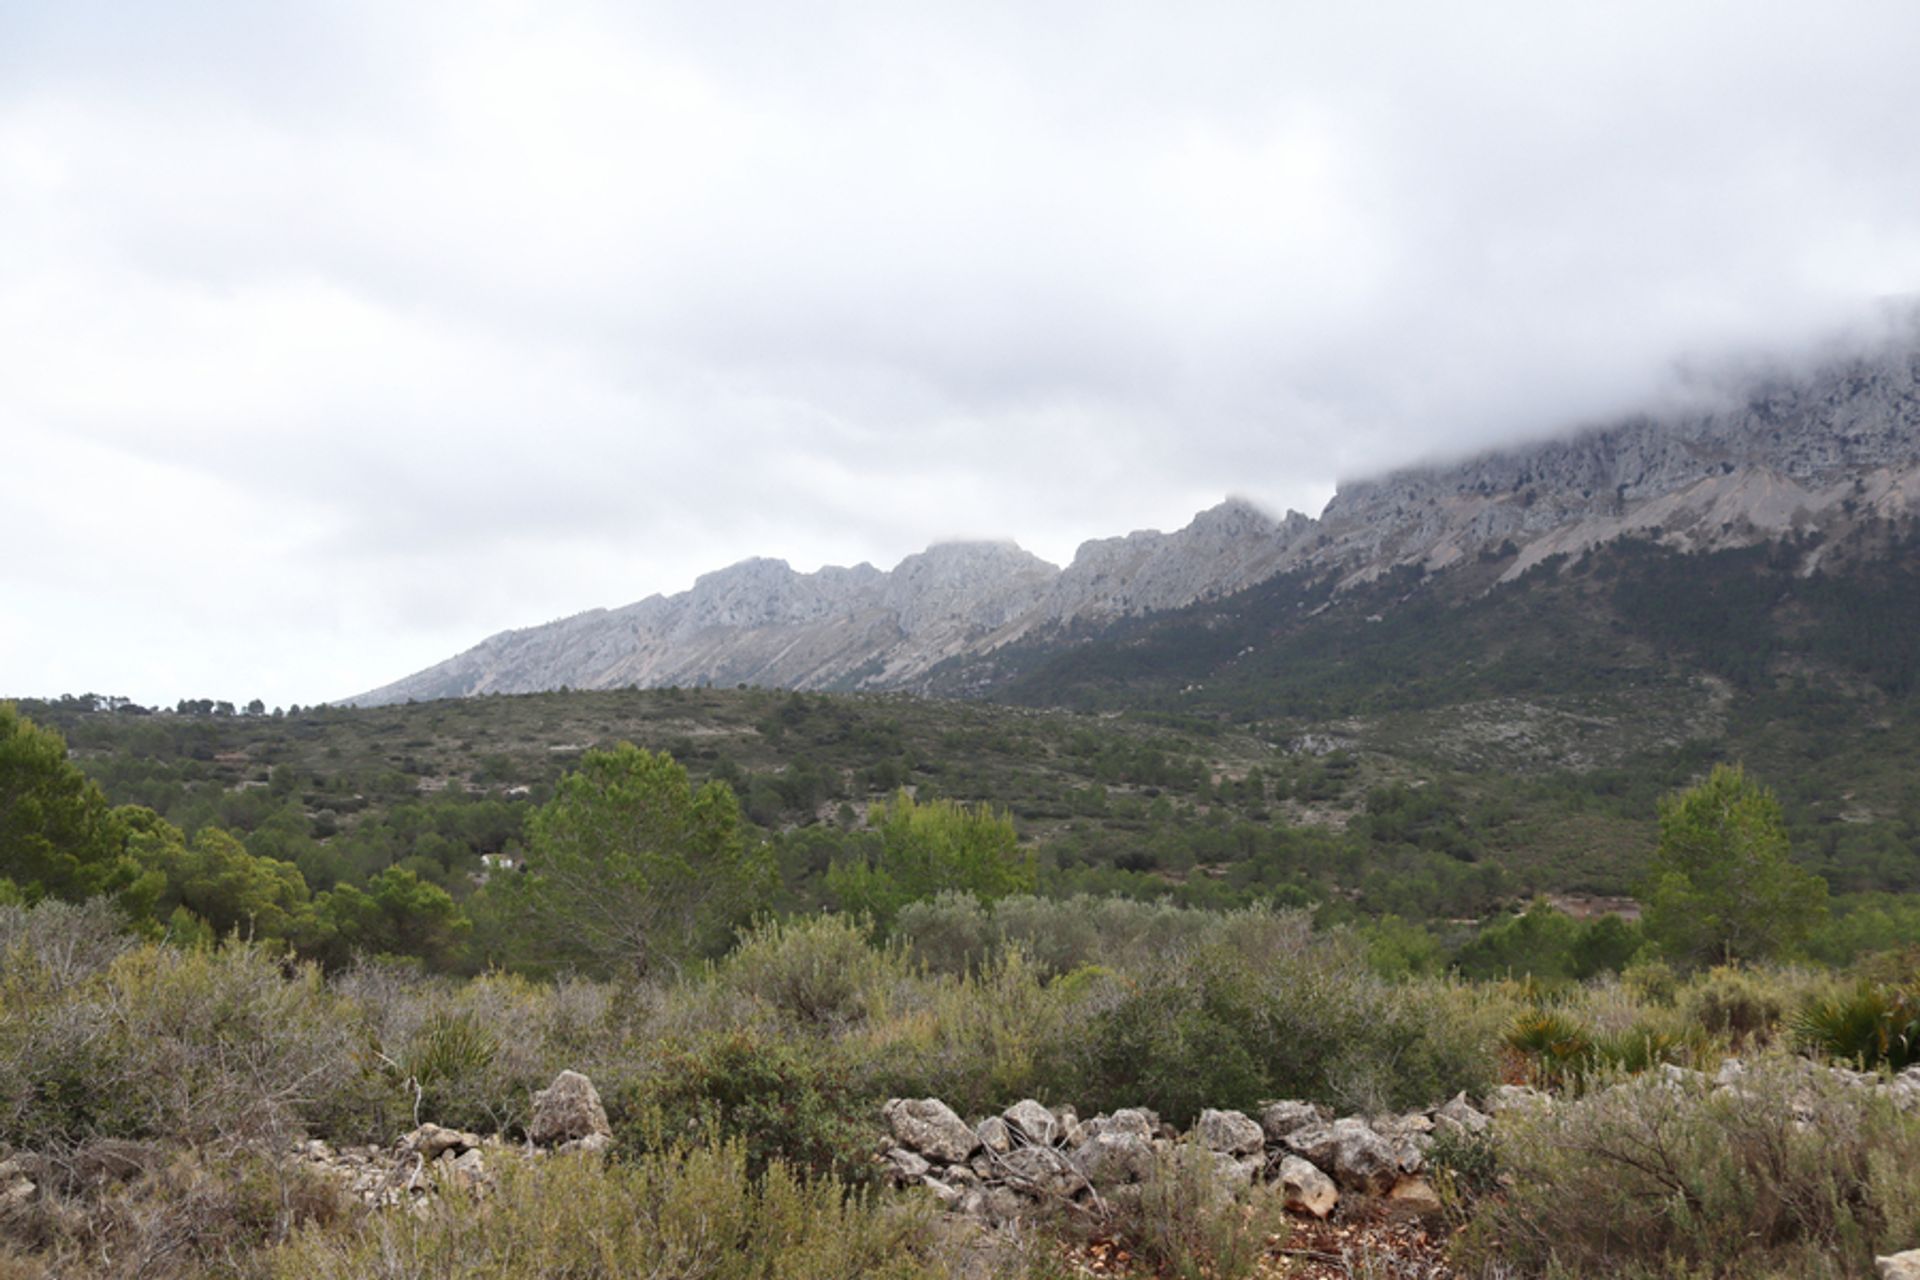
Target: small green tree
<point>927,848</point>
<point>1722,886</point>
<point>216,881</point>
<point>397,914</point>
<point>630,869</point>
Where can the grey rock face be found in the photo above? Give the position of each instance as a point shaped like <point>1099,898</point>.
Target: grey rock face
<point>430,1140</point>
<point>1461,1116</point>
<point>994,1135</point>
<point>904,1167</point>
<point>1782,454</point>
<point>1898,1266</point>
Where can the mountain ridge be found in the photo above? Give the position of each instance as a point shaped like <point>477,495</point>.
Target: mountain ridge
<point>1787,455</point>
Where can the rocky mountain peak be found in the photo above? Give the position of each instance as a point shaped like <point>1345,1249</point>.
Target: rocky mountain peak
<point>1788,453</point>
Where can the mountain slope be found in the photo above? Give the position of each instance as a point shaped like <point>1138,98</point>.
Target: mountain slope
<point>1787,457</point>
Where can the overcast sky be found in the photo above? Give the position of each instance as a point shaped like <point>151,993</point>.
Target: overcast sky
<point>337,336</point>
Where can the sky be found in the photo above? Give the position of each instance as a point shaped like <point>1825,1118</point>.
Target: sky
<point>335,337</point>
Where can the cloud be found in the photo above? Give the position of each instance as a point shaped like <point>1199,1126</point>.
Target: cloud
<point>340,338</point>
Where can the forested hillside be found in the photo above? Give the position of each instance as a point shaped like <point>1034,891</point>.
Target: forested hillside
<point>1436,751</point>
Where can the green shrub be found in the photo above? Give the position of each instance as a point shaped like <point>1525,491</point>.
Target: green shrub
<point>447,1063</point>
<point>692,1214</point>
<point>1186,1225</point>
<point>1219,1027</point>
<point>1794,1174</point>
<point>793,1102</point>
<point>820,972</point>
<point>1184,1039</point>
<point>1737,1004</point>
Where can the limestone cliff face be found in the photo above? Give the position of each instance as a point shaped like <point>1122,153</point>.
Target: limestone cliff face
<point>1787,455</point>
<point>1818,451</point>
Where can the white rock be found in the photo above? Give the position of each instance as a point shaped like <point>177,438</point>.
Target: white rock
<point>1305,1188</point>
<point>1229,1132</point>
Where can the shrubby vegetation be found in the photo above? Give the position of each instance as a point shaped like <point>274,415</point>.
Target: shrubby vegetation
<point>179,1001</point>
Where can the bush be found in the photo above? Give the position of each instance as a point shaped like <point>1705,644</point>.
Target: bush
<point>1220,1026</point>
<point>115,1211</point>
<point>693,1214</point>
<point>207,1047</point>
<point>800,1104</point>
<point>1793,1174</point>
<point>1871,1025</point>
<point>1737,1004</point>
<point>1186,1225</point>
<point>821,973</point>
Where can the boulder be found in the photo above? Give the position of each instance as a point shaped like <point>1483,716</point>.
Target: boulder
<point>566,1110</point>
<point>1112,1158</point>
<point>1234,1174</point>
<point>1032,1123</point>
<point>929,1126</point>
<point>1898,1266</point>
<point>1305,1188</point>
<point>904,1167</point>
<point>949,1195</point>
<point>1278,1119</point>
<point>1414,1195</point>
<point>992,1205</point>
<point>994,1135</point>
<point>1459,1116</point>
<point>469,1171</point>
<point>1357,1157</point>
<point>1041,1171</point>
<point>1229,1133</point>
<point>429,1141</point>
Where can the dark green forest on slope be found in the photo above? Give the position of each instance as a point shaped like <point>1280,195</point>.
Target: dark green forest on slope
<point>1440,751</point>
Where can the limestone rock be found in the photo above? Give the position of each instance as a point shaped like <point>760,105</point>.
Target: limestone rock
<point>1278,1119</point>
<point>1414,1195</point>
<point>565,1110</point>
<point>904,1167</point>
<point>1305,1188</point>
<point>929,1126</point>
<point>1041,1171</point>
<point>1898,1266</point>
<point>1359,1158</point>
<point>994,1135</point>
<point>1031,1122</point>
<point>1229,1132</point>
<point>1460,1116</point>
<point>1113,1157</point>
<point>429,1141</point>
<point>593,1144</point>
<point>469,1171</point>
<point>1234,1174</point>
<point>1516,1097</point>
